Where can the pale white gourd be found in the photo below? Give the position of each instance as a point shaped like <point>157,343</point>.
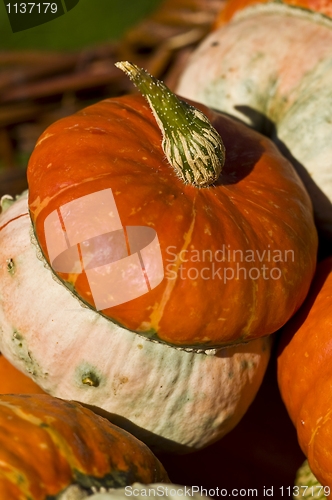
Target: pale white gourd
<point>271,67</point>
<point>171,399</point>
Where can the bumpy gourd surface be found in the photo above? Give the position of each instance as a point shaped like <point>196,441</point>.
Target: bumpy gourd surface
<point>172,399</point>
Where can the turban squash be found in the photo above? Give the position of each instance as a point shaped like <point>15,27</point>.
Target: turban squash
<point>48,445</point>
<point>258,210</point>
<point>270,65</point>
<point>304,373</point>
<point>178,391</point>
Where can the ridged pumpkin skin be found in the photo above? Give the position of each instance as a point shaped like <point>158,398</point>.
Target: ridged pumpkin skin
<point>13,381</point>
<point>271,66</point>
<point>171,399</point>
<point>305,371</point>
<point>47,444</point>
<point>257,207</point>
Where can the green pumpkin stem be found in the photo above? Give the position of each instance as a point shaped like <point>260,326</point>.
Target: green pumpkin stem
<point>192,146</point>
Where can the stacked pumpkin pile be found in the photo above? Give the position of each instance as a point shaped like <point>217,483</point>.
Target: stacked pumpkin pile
<point>174,346</point>
<point>269,64</point>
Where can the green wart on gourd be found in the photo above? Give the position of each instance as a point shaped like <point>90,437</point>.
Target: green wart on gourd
<point>23,353</point>
<point>191,144</point>
<point>17,338</point>
<point>88,375</point>
<point>10,266</point>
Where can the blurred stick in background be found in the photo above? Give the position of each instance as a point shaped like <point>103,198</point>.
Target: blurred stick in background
<point>40,87</point>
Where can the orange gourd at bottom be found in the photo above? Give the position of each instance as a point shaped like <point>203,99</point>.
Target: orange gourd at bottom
<point>12,381</point>
<point>47,445</point>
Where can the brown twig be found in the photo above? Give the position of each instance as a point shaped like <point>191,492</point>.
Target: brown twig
<point>38,87</point>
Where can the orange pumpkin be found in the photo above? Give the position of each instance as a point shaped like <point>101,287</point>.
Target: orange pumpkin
<point>47,445</point>
<point>12,381</point>
<point>238,241</point>
<point>305,370</point>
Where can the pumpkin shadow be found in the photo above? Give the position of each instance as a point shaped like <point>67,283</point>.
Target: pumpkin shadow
<point>319,199</point>
<point>238,163</point>
<point>159,445</point>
